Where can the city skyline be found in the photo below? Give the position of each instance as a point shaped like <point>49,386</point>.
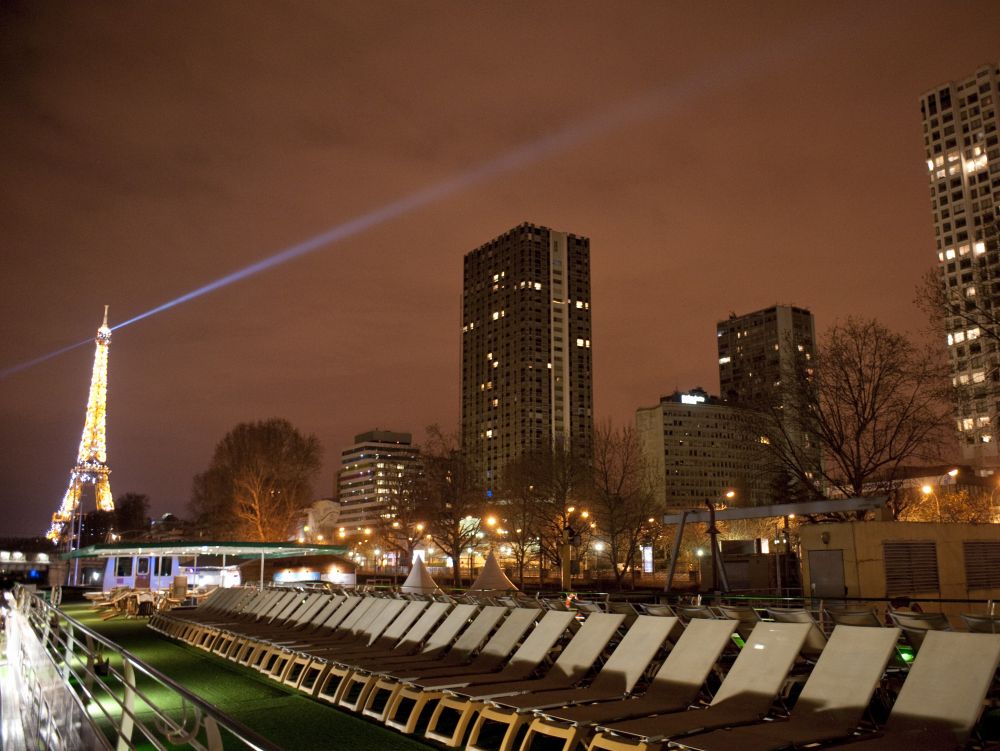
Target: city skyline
<point>774,156</point>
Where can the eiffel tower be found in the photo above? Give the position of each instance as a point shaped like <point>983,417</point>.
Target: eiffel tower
<point>92,460</point>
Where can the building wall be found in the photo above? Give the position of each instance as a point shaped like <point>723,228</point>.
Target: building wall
<point>760,354</point>
<point>962,142</point>
<point>861,544</point>
<point>698,448</point>
<point>375,471</point>
<point>526,348</point>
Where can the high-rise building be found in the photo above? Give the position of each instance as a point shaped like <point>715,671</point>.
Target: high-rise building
<point>699,448</point>
<point>761,350</point>
<point>526,348</point>
<point>375,473</point>
<point>961,131</point>
<point>761,354</point>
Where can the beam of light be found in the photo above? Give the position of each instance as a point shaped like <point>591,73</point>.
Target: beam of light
<point>655,104</point>
<point>39,360</point>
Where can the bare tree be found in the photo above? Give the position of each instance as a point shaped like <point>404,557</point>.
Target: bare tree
<point>518,507</point>
<point>258,481</point>
<point>624,509</point>
<point>561,480</point>
<point>448,497</point>
<point>401,524</point>
<point>873,402</point>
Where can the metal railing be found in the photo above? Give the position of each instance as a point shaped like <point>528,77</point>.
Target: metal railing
<point>78,690</point>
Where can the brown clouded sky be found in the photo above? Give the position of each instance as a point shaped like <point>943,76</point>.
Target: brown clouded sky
<point>775,155</point>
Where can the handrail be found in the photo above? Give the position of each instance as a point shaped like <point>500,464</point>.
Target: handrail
<point>77,658</point>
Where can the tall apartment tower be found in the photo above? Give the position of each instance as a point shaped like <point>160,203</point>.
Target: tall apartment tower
<point>759,353</point>
<point>961,130</point>
<point>374,473</point>
<point>759,350</point>
<point>526,348</point>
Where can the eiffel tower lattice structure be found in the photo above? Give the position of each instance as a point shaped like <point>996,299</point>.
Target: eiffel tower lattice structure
<point>92,459</point>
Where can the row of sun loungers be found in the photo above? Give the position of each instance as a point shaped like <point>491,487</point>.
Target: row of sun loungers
<point>501,677</point>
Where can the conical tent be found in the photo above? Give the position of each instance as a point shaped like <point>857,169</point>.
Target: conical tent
<point>419,581</point>
<point>492,576</point>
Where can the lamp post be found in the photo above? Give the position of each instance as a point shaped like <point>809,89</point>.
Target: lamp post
<point>929,491</point>
<point>570,537</point>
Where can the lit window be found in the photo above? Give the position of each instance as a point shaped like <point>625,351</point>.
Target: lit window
<point>489,355</point>
<point>972,334</point>
<point>724,360</point>
<point>949,253</point>
<point>538,285</point>
<point>980,248</point>
<point>579,342</point>
<point>983,420</point>
<point>496,315</point>
<point>979,376</point>
<point>489,433</point>
<point>941,257</point>
<point>496,363</point>
<point>986,438</point>
<point>496,402</point>
<point>963,378</point>
<point>970,291</point>
<point>967,423</point>
<point>951,340</point>
<point>959,337</point>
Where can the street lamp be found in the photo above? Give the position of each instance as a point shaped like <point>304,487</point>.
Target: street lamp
<point>570,536</point>
<point>928,489</point>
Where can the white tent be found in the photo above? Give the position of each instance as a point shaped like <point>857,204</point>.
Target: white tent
<point>492,576</point>
<point>419,581</point>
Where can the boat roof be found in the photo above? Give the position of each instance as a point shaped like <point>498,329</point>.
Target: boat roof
<point>202,547</point>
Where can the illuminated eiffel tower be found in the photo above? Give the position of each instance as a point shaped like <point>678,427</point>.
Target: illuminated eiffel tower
<point>92,460</point>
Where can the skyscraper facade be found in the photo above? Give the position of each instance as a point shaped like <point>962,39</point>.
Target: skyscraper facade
<point>526,349</point>
<point>759,351</point>
<point>961,131</point>
<point>761,354</point>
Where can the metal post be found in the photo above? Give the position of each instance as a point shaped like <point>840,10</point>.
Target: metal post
<point>718,567</point>
<point>565,551</point>
<point>261,587</point>
<point>675,551</point>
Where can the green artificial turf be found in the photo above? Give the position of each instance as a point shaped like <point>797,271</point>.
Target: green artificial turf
<point>282,715</point>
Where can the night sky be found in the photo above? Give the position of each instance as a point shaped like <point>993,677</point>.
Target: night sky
<point>721,157</point>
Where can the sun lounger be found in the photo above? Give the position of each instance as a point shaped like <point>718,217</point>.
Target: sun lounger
<point>525,661</point>
<point>574,662</point>
<point>833,700</point>
<point>746,695</point>
<point>407,698</point>
<point>942,698</point>
<point>363,674</point>
<point>251,649</point>
<point>675,687</point>
<point>744,615</point>
<point>916,626</point>
<point>615,680</point>
<point>341,660</point>
<point>815,641</point>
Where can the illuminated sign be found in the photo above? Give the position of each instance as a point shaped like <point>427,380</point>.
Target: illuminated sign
<point>692,399</point>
